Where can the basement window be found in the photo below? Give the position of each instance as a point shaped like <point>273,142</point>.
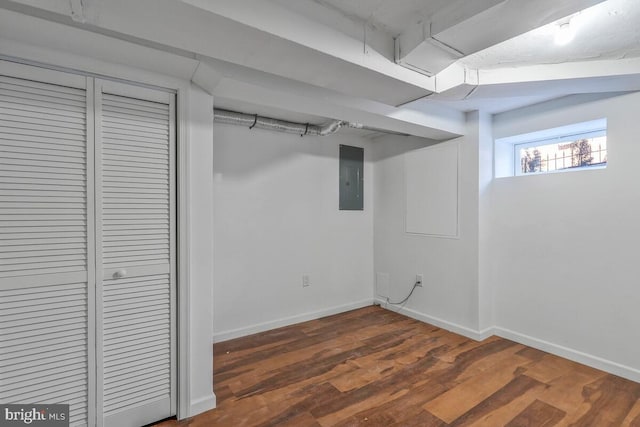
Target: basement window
<point>575,147</point>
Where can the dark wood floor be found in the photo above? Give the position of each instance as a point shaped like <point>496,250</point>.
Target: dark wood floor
<point>372,367</point>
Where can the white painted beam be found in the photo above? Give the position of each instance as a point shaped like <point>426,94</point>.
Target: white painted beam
<point>67,46</point>
<point>177,26</point>
<point>555,80</point>
<point>466,27</point>
<point>310,24</point>
<point>542,81</point>
<point>230,81</point>
<point>610,68</point>
<point>154,46</point>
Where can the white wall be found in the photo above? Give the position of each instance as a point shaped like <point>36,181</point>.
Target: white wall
<point>276,219</point>
<point>564,246</point>
<point>449,296</point>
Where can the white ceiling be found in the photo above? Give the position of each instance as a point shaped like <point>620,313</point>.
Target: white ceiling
<point>609,30</point>
<point>389,16</point>
<point>309,60</point>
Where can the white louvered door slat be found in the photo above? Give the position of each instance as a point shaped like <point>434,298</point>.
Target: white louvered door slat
<point>87,189</point>
<point>47,256</point>
<point>136,260</point>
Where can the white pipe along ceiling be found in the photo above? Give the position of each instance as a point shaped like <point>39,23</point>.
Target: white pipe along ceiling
<point>267,123</point>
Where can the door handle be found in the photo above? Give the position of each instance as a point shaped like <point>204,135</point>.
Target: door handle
<point>120,274</point>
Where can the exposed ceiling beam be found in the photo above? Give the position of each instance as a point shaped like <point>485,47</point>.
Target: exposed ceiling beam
<point>252,86</point>
<point>220,78</point>
<point>323,86</point>
<point>309,23</point>
<point>73,48</point>
<point>466,27</point>
<point>620,75</point>
<point>548,80</point>
<point>193,30</point>
<point>323,30</point>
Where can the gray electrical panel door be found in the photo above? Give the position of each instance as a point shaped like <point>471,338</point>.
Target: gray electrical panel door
<point>351,178</point>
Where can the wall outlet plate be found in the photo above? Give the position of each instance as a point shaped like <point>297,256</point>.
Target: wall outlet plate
<point>305,281</point>
<point>419,279</point>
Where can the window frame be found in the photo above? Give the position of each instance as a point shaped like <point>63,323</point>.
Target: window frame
<point>506,162</point>
<point>517,170</point>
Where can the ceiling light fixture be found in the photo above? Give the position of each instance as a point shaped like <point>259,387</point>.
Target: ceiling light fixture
<point>565,33</point>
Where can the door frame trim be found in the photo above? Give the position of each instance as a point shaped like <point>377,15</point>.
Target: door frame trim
<point>182,256</point>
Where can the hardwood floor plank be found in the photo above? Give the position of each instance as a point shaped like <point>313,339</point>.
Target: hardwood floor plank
<point>402,407</point>
<point>322,362</point>
<point>258,342</point>
<point>326,324</point>
<point>477,386</point>
<point>303,419</point>
<point>314,397</point>
<point>389,386</point>
<point>380,365</point>
<point>255,370</point>
<point>362,405</point>
<point>462,345</point>
<point>566,393</point>
<point>538,414</point>
<point>611,399</point>
<point>423,419</point>
<point>373,367</point>
<point>532,353</point>
<point>223,393</point>
<point>633,418</point>
<point>515,388</point>
<point>502,415</point>
<point>551,367</point>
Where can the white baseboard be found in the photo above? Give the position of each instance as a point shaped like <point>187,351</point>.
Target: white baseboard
<point>571,354</point>
<point>568,353</point>
<point>202,404</point>
<point>444,324</point>
<point>286,321</point>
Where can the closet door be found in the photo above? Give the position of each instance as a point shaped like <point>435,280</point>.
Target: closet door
<point>135,224</point>
<point>47,276</point>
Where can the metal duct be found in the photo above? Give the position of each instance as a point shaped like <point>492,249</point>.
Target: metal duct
<point>251,121</point>
<point>255,121</point>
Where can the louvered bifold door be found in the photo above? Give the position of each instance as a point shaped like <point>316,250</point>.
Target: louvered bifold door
<point>47,276</point>
<point>135,201</point>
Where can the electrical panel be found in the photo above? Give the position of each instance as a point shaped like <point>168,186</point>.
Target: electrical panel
<point>351,178</point>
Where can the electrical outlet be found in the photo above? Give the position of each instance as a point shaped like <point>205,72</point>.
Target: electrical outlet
<point>419,279</point>
<point>305,281</point>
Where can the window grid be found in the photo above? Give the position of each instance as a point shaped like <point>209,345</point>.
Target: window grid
<point>579,153</point>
